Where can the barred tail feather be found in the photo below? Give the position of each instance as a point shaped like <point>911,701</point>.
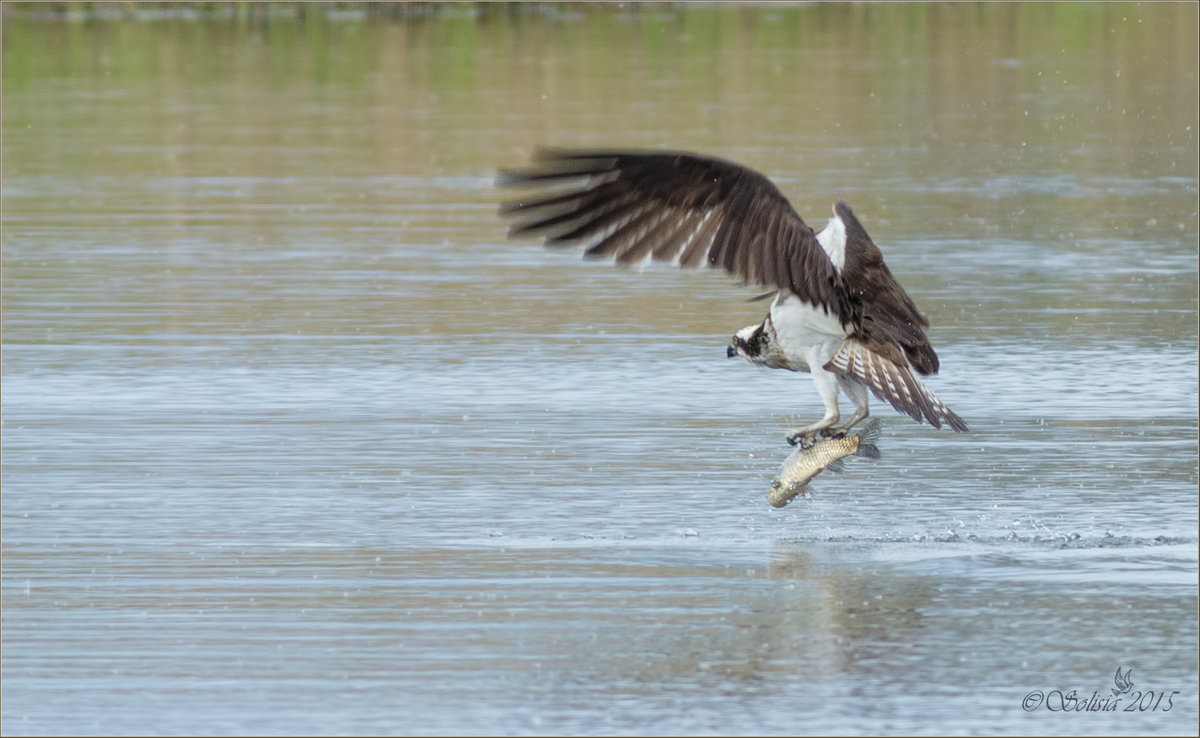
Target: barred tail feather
<point>893,383</point>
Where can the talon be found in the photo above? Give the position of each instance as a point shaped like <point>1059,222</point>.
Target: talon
<point>802,439</point>
<point>833,433</point>
<point>806,436</point>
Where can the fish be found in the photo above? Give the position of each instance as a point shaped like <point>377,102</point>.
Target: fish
<point>826,453</point>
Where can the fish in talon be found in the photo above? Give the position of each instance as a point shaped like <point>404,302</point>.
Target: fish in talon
<point>805,464</point>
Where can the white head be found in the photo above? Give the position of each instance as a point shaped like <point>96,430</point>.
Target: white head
<point>752,343</point>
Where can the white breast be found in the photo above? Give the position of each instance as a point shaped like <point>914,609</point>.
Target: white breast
<point>804,332</point>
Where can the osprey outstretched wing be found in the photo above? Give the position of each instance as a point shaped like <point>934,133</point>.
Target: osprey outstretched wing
<point>682,208</point>
<point>838,312</point>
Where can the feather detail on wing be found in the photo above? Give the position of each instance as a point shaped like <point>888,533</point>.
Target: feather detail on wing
<point>682,208</point>
<point>892,381</point>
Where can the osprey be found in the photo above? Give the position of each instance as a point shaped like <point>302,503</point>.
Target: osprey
<point>837,313</point>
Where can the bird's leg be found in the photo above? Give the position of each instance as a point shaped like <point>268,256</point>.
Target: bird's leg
<point>827,387</point>
<point>854,420</point>
<point>857,392</point>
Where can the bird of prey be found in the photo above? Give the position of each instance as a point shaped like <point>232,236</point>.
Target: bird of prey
<point>837,311</point>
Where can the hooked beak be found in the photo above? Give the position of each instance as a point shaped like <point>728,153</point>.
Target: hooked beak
<point>731,350</point>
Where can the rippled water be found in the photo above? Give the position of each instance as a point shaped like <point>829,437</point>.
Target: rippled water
<point>294,441</point>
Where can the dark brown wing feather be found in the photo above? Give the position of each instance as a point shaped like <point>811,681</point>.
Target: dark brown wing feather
<point>676,207</point>
<point>888,314</point>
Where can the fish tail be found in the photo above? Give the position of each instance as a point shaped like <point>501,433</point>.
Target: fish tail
<point>868,439</point>
<point>867,450</point>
